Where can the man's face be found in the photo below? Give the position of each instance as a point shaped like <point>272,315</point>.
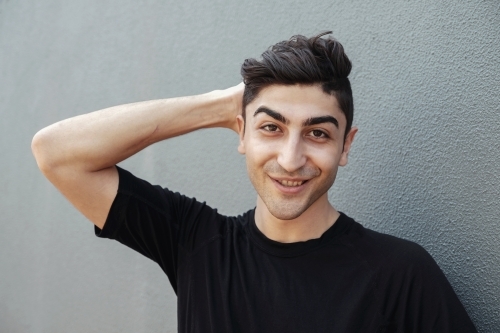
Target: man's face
<point>293,140</point>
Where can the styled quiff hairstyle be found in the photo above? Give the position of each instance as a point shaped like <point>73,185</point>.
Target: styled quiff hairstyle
<point>302,60</point>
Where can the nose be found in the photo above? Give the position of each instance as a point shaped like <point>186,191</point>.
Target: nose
<point>291,156</point>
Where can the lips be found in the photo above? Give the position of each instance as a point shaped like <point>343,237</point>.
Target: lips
<point>290,186</point>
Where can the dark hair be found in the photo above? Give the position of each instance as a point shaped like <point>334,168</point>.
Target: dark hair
<point>302,60</point>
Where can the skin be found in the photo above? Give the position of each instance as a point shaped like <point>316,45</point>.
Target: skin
<point>294,134</point>
<point>78,155</point>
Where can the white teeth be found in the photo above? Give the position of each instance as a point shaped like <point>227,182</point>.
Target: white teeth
<point>290,183</point>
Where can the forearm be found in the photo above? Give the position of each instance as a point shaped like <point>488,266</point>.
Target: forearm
<point>100,139</point>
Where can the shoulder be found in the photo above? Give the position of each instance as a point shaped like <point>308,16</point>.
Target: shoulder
<point>142,203</point>
<point>414,293</point>
<point>385,251</point>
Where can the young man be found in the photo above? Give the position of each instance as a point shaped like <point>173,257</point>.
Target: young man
<point>292,264</point>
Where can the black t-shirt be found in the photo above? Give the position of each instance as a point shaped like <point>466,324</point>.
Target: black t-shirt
<point>229,277</point>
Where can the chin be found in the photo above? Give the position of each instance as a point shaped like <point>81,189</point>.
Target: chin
<point>286,212</point>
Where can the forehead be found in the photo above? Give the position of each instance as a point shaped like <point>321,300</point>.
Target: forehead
<point>297,102</point>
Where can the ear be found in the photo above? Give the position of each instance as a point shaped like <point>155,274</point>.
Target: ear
<point>347,145</point>
<point>241,134</point>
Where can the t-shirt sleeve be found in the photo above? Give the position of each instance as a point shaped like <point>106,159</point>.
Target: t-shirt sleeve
<point>157,222</point>
<point>433,299</point>
<point>424,300</point>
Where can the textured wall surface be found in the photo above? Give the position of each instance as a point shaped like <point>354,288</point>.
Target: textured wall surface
<point>425,165</point>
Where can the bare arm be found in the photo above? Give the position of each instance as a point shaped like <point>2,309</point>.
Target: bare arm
<point>78,155</point>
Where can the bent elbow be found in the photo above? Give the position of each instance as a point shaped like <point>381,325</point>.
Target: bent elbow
<point>40,147</point>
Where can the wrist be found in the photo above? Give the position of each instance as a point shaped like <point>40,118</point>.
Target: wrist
<point>227,107</point>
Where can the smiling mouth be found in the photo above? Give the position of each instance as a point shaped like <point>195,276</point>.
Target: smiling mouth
<point>291,183</point>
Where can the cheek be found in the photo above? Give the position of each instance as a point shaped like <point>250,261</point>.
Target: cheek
<point>325,158</point>
<point>258,152</point>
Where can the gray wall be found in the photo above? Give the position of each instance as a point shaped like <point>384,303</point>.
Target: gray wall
<point>425,165</point>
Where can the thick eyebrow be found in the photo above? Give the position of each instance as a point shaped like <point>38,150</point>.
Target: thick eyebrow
<point>308,122</point>
<point>273,114</point>
<point>319,120</point>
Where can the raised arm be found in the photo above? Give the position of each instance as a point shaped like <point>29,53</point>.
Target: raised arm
<point>78,155</point>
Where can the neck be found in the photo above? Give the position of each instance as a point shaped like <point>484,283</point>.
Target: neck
<point>311,224</point>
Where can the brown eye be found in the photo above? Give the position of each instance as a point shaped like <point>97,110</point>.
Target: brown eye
<point>318,134</point>
<point>270,128</point>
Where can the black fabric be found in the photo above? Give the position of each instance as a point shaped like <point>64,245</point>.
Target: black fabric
<point>229,277</point>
